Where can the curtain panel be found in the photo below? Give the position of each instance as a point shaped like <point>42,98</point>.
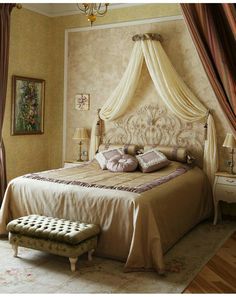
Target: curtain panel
<point>119,100</point>
<point>213,30</point>
<point>5,12</point>
<point>180,100</point>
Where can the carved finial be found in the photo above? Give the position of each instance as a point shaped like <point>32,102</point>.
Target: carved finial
<point>147,36</point>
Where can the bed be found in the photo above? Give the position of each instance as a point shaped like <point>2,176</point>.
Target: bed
<point>141,215</point>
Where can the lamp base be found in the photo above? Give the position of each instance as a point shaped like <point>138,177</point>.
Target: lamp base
<point>80,152</point>
<point>231,163</point>
<point>231,170</point>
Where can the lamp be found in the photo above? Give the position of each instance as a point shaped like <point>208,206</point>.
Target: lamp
<point>80,135</point>
<point>92,10</point>
<point>230,143</point>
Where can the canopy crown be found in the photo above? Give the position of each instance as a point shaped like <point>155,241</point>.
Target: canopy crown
<point>147,36</point>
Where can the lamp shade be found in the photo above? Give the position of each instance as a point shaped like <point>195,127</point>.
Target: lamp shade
<point>229,141</point>
<point>80,133</point>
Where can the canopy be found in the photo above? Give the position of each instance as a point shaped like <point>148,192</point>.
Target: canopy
<point>171,88</point>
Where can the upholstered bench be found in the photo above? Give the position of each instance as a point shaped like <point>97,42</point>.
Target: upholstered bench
<point>53,235</point>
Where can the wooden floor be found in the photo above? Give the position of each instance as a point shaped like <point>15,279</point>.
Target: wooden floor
<point>219,274</point>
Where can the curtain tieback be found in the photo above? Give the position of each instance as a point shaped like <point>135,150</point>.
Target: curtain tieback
<point>207,113</point>
<point>98,125</point>
<point>206,125</point>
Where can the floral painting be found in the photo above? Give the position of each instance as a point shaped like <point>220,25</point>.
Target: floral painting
<point>27,105</point>
<point>82,101</point>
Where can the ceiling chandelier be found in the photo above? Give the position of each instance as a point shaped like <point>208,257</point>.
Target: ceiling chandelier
<point>92,10</point>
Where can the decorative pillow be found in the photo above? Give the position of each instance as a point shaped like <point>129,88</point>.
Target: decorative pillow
<point>152,160</point>
<point>173,153</point>
<point>123,163</point>
<point>130,149</point>
<point>104,156</point>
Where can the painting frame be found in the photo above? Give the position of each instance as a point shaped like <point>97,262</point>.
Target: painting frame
<point>28,100</point>
<point>79,104</point>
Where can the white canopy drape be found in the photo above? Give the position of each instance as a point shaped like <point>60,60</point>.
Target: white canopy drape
<point>172,90</point>
<point>119,100</point>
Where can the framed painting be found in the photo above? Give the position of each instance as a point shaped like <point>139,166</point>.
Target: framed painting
<point>27,105</point>
<point>82,101</point>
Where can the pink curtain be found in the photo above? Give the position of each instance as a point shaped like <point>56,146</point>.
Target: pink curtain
<point>213,30</point>
<point>5,12</point>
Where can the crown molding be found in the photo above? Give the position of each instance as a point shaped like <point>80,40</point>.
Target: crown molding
<point>41,8</point>
<point>65,9</point>
<point>126,23</point>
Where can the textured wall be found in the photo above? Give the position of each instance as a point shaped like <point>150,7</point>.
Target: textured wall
<point>76,21</point>
<point>98,74</point>
<point>29,56</point>
<point>37,50</point>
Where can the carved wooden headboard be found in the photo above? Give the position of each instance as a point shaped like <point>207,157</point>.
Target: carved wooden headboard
<point>153,124</point>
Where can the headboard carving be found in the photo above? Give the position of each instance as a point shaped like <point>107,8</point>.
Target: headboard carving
<point>153,124</point>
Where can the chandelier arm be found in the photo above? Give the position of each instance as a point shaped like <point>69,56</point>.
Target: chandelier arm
<point>102,13</point>
<point>83,8</point>
<point>98,6</point>
<point>91,10</point>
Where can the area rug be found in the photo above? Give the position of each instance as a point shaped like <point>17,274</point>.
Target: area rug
<point>38,272</point>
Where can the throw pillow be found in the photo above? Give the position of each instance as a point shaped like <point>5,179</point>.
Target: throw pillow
<point>104,156</point>
<point>123,163</point>
<point>152,160</point>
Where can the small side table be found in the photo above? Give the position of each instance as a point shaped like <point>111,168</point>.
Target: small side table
<point>224,190</point>
<point>68,164</point>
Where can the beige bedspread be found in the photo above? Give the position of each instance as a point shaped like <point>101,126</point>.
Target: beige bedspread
<point>141,214</point>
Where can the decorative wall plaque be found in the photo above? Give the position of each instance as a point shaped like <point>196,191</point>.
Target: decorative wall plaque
<point>82,101</point>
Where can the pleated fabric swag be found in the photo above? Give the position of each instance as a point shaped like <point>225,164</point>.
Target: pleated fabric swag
<point>171,88</point>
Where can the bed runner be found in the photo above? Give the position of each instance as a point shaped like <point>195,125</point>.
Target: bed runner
<point>54,176</point>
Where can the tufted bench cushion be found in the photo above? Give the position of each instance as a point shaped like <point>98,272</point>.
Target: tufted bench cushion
<point>53,228</point>
<point>57,236</point>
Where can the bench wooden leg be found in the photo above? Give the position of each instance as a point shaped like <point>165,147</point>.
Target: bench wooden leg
<point>73,262</point>
<point>90,253</point>
<point>15,249</point>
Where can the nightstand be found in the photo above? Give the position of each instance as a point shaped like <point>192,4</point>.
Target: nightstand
<point>68,164</point>
<point>224,190</point>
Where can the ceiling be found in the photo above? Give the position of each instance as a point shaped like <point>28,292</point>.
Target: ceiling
<point>60,9</point>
